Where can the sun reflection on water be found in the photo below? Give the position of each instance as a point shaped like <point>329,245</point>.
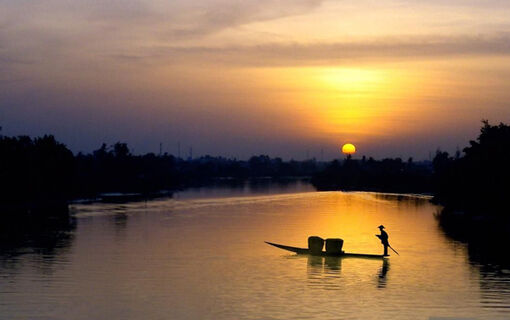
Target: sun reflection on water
<point>206,258</point>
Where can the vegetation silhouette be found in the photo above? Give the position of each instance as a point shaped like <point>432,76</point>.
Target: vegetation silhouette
<point>478,181</point>
<point>41,175</point>
<point>36,175</point>
<point>388,175</point>
<point>472,189</point>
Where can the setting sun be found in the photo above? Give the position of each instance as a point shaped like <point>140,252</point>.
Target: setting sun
<point>348,148</point>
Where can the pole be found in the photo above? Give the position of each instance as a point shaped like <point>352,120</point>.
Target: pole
<point>393,249</point>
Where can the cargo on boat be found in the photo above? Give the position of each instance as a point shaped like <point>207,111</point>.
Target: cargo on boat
<point>331,253</point>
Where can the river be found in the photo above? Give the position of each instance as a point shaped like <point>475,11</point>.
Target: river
<point>201,255</point>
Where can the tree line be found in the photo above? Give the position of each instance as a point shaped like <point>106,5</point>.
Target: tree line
<point>474,181</point>
<point>479,180</point>
<point>44,172</point>
<point>388,175</point>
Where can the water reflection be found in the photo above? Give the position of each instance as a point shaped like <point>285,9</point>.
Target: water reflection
<point>45,236</point>
<point>322,265</point>
<point>206,259</point>
<point>251,187</point>
<point>381,277</point>
<point>43,240</point>
<point>326,271</point>
<point>484,241</point>
<point>332,264</point>
<point>121,219</point>
<point>483,238</point>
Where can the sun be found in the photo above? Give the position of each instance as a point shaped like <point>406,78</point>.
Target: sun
<point>348,148</point>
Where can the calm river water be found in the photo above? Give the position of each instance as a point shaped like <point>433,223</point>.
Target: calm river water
<point>201,255</point>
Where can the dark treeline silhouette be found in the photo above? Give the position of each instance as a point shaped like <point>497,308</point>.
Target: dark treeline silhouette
<point>389,175</point>
<point>36,181</point>
<point>40,175</point>
<point>473,189</point>
<point>35,174</point>
<point>477,182</point>
<point>41,172</point>
<point>115,169</point>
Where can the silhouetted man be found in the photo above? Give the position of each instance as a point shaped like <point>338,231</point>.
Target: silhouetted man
<point>384,239</point>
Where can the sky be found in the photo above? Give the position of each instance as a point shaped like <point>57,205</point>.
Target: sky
<point>287,78</point>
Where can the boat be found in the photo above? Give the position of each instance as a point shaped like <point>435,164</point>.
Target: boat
<point>327,254</point>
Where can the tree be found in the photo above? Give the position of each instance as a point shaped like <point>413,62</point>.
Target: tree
<point>479,180</point>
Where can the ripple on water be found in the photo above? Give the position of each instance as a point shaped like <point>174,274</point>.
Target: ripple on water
<point>205,259</point>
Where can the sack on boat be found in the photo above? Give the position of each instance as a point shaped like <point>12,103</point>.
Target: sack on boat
<point>315,244</point>
<point>334,245</point>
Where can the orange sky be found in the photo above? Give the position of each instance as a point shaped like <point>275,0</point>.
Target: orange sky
<point>285,78</point>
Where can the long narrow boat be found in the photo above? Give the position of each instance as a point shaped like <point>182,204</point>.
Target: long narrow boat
<point>326,254</point>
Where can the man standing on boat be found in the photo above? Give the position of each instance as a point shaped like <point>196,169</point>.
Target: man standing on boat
<point>384,239</point>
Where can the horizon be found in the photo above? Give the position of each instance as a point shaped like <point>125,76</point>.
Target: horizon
<point>397,78</point>
<point>185,156</point>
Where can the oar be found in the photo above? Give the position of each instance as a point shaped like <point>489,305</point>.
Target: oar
<point>393,249</point>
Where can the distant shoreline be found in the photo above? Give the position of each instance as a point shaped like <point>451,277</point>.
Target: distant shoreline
<point>120,197</point>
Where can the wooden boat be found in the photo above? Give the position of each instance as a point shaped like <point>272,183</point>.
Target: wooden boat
<point>327,254</point>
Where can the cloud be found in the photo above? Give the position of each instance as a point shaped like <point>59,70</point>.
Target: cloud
<point>137,32</point>
<point>276,54</point>
<point>173,19</point>
<point>212,16</point>
<point>60,31</point>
